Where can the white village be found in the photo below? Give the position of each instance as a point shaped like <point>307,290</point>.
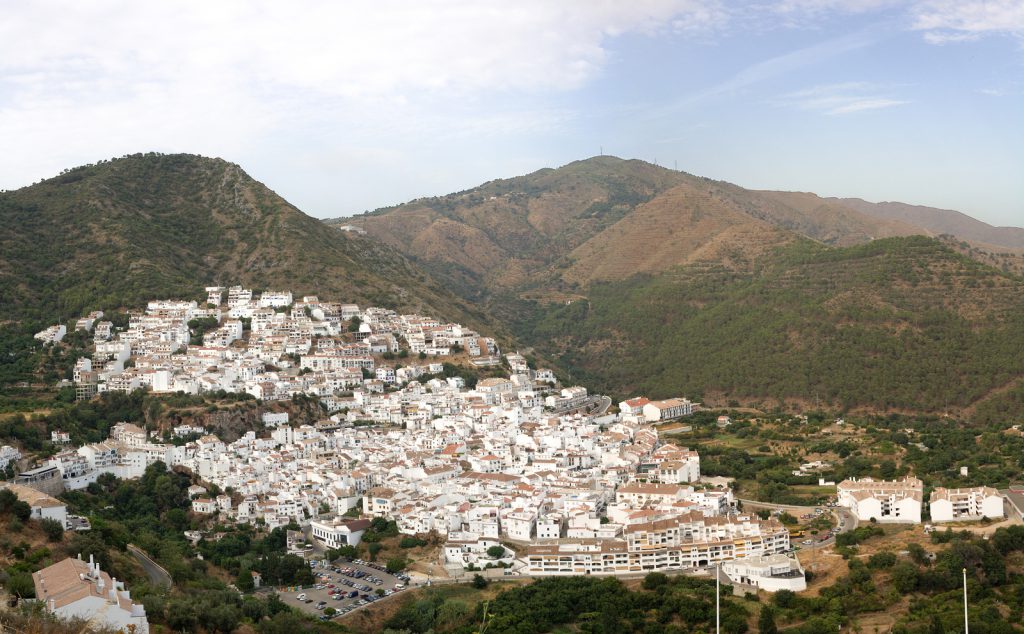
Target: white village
<point>514,471</point>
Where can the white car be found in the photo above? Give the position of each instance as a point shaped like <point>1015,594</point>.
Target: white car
<point>301,597</point>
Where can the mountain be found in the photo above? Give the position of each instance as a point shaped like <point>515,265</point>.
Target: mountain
<point>638,279</point>
<point>590,219</point>
<point>120,232</point>
<point>940,221</point>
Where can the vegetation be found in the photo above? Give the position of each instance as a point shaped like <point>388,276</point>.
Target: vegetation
<point>898,323</point>
<point>152,513</point>
<point>122,232</point>
<point>671,303</point>
<point>680,604</point>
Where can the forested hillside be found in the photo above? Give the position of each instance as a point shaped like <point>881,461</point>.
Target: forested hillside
<point>639,279</point>
<point>902,323</point>
<point>120,232</point>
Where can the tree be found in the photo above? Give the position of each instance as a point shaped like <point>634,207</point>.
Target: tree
<point>20,584</point>
<point>766,621</point>
<point>374,549</point>
<point>904,577</point>
<point>920,556</point>
<point>785,598</point>
<point>479,582</point>
<point>396,564</point>
<point>496,552</point>
<point>655,580</point>
<point>882,560</point>
<point>53,529</point>
<point>244,581</point>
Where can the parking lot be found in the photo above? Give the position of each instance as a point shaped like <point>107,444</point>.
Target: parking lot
<point>345,586</point>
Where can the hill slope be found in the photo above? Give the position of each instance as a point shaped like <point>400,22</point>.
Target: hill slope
<point>120,232</point>
<point>547,228</point>
<point>940,221</point>
<point>641,279</point>
<point>900,323</point>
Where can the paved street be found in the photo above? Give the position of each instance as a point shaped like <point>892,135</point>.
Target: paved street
<point>845,520</point>
<point>154,571</point>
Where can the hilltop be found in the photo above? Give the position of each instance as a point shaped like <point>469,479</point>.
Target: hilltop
<point>642,279</point>
<point>590,219</point>
<point>124,231</point>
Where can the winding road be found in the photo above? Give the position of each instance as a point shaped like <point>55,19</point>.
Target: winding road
<point>155,571</point>
<point>842,515</point>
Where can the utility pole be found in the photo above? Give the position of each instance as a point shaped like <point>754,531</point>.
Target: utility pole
<point>966,630</point>
<point>718,582</point>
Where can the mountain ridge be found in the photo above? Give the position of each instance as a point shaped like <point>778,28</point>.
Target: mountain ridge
<point>123,231</point>
<point>622,270</point>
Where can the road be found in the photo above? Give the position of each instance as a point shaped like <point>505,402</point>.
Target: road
<point>156,573</point>
<point>1014,500</point>
<point>841,514</point>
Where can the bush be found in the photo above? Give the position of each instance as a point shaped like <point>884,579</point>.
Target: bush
<point>785,599</point>
<point>53,529</point>
<point>479,582</point>
<point>882,560</point>
<point>655,580</point>
<point>411,542</point>
<point>20,584</point>
<point>374,549</point>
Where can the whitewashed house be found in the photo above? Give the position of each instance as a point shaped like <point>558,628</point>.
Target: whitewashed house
<point>961,505</point>
<point>770,573</point>
<point>896,501</point>
<point>74,589</point>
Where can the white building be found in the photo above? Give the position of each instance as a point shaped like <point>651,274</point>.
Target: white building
<point>276,299</point>
<point>770,573</point>
<point>896,501</point>
<point>53,334</point>
<point>74,589</point>
<point>43,506</point>
<point>336,533</point>
<point>204,506</point>
<point>656,411</point>
<point>275,419</point>
<point>8,455</point>
<point>961,505</point>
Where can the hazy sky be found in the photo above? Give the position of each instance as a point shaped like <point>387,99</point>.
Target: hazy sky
<point>346,106</point>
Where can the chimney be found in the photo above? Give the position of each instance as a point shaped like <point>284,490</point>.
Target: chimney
<point>53,605</point>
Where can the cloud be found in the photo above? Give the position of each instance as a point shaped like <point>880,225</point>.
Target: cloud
<point>839,99</point>
<point>82,81</point>
<point>349,48</point>
<point>821,7</point>
<point>946,21</point>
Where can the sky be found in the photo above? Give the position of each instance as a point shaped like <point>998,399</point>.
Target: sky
<point>343,107</point>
